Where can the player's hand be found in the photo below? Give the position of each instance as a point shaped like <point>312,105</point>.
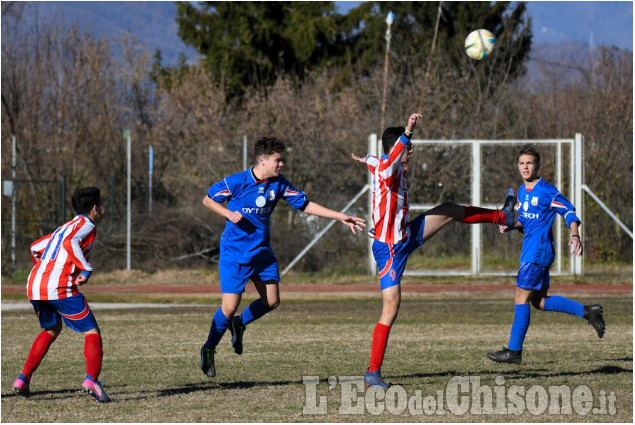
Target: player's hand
<point>81,279</point>
<point>235,217</point>
<point>358,159</point>
<point>354,223</point>
<point>576,245</point>
<point>412,122</point>
<point>503,228</point>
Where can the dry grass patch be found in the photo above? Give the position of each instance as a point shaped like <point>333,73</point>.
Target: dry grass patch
<point>151,361</point>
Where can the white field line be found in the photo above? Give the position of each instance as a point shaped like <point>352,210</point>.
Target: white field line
<point>116,306</point>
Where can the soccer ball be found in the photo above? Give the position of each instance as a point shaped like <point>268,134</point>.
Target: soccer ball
<point>480,44</point>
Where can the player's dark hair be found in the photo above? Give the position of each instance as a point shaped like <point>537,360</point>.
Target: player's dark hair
<point>84,199</point>
<point>268,146</point>
<point>390,136</point>
<point>529,150</point>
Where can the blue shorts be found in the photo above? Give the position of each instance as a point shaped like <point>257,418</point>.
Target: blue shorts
<point>73,310</point>
<point>235,276</point>
<point>533,277</point>
<point>392,258</point>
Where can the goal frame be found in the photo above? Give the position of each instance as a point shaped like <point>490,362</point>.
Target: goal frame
<point>576,179</point>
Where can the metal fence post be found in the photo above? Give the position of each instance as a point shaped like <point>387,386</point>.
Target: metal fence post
<point>373,149</point>
<point>13,201</point>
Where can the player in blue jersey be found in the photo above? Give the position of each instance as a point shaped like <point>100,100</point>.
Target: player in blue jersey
<point>538,203</point>
<point>245,251</point>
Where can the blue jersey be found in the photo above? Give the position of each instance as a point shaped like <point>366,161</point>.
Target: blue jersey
<point>249,240</point>
<point>537,208</point>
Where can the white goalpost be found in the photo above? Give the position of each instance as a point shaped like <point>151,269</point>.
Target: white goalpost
<point>573,193</point>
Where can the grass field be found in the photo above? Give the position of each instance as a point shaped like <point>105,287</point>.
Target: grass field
<point>151,366</point>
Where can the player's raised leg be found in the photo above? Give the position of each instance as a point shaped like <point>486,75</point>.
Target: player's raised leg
<point>439,216</point>
<point>594,314</point>
<point>505,216</point>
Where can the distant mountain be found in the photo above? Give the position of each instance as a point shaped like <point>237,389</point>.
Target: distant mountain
<point>152,23</point>
<point>567,60</point>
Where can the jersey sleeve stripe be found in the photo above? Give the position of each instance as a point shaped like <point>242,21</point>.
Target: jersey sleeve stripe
<point>289,192</point>
<point>224,193</point>
<point>557,204</point>
<point>568,213</point>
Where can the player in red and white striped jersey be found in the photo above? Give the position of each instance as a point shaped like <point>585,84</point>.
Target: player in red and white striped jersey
<point>390,194</point>
<point>61,265</point>
<point>396,237</point>
<point>60,258</point>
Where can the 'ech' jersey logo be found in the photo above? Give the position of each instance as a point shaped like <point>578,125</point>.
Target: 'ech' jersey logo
<point>530,215</point>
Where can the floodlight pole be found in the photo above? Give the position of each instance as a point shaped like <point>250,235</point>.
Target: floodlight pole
<point>13,201</point>
<point>150,171</point>
<point>373,149</point>
<point>244,151</point>
<point>128,199</point>
<point>389,20</point>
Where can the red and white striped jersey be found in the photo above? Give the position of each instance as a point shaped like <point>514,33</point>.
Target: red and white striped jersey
<point>390,194</point>
<point>59,258</point>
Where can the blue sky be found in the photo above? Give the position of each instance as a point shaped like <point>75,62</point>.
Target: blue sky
<point>153,23</point>
<point>596,22</point>
<point>606,22</point>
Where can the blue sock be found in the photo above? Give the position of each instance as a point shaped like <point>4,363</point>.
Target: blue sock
<point>254,311</point>
<point>563,305</point>
<point>519,328</point>
<point>217,330</point>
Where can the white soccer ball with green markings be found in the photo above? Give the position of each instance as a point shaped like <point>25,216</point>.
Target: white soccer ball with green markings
<point>480,44</point>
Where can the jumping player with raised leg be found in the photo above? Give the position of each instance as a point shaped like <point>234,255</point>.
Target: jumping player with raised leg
<point>61,265</point>
<point>245,251</point>
<point>538,204</point>
<point>396,237</point>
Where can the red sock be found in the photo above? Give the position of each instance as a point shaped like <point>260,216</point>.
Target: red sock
<point>483,215</point>
<point>378,348</point>
<point>93,354</point>
<point>38,350</point>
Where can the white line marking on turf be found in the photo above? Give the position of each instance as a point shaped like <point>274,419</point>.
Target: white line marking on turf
<point>99,306</point>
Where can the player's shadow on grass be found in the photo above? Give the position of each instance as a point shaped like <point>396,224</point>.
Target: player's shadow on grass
<point>623,359</point>
<point>241,385</point>
<point>514,372</point>
<point>54,395</point>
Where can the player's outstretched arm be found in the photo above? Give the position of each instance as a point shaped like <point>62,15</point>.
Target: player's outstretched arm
<point>233,216</point>
<point>412,122</point>
<point>320,211</point>
<point>359,159</point>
